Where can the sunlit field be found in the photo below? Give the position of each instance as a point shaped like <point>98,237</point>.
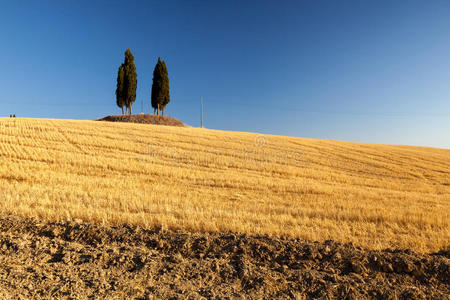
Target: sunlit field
<point>376,196</point>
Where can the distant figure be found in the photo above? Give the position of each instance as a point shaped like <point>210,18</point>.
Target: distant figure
<point>14,115</point>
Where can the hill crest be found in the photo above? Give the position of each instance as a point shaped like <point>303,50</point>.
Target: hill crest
<point>144,119</point>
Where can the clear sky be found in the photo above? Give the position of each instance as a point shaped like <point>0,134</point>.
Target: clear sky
<point>368,71</point>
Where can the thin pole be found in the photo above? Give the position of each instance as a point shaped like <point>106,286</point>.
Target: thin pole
<point>201,113</point>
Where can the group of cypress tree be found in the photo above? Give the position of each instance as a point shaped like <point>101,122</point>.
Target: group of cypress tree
<point>127,84</point>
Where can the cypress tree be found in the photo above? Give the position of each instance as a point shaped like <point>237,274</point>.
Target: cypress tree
<point>165,87</point>
<point>157,86</point>
<point>160,87</point>
<point>130,80</point>
<point>120,101</point>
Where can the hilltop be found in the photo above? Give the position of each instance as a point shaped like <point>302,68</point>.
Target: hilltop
<point>144,119</point>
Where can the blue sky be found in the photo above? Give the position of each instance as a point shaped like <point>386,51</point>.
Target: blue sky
<point>368,71</point>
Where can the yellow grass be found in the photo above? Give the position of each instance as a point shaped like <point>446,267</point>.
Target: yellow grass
<point>376,196</point>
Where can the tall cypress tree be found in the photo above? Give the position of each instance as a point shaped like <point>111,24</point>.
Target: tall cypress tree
<point>165,87</point>
<point>130,80</point>
<point>160,87</point>
<point>157,86</point>
<point>119,90</point>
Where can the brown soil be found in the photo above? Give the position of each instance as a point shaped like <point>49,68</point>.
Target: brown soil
<point>144,119</point>
<point>78,260</point>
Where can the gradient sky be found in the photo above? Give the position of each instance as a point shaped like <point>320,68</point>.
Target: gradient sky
<point>368,71</point>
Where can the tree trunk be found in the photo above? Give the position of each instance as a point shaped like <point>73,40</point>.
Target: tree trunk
<point>163,111</point>
<point>122,110</point>
<point>130,110</point>
<point>158,109</point>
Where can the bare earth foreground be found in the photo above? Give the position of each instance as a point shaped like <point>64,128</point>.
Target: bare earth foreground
<point>80,260</point>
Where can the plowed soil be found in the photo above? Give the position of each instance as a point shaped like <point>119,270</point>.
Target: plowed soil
<point>79,260</point>
<point>144,119</point>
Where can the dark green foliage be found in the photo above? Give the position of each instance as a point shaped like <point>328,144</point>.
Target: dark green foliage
<point>166,93</point>
<point>157,86</point>
<point>119,90</point>
<point>160,87</point>
<point>126,83</point>
<point>130,80</point>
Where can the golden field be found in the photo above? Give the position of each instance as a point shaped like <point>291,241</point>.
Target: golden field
<point>376,196</point>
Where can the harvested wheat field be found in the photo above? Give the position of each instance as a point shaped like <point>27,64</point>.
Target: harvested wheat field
<point>199,180</point>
